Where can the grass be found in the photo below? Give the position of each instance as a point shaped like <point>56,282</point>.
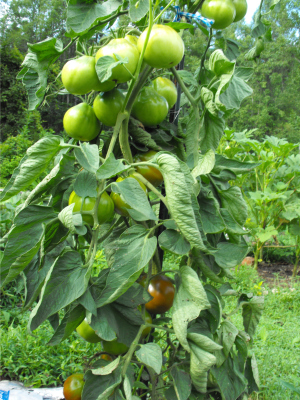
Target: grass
<point>276,346</point>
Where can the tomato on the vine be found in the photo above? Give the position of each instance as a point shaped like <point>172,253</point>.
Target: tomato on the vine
<point>162,290</point>
<point>132,39</point>
<point>108,105</point>
<point>87,332</point>
<point>149,107</point>
<point>81,123</point>
<point>73,387</point>
<point>105,208</point>
<point>221,11</point>
<point>120,206</point>
<point>165,47</point>
<point>79,77</point>
<point>106,357</point>
<point>152,174</point>
<point>114,347</point>
<point>166,88</point>
<point>241,7</point>
<point>124,49</point>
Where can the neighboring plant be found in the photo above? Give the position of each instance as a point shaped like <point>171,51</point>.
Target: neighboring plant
<point>271,190</point>
<point>194,351</point>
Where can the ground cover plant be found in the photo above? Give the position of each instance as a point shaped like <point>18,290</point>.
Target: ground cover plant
<point>106,188</point>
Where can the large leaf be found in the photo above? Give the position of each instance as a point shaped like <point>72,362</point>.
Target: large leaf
<point>210,212</point>
<point>252,312</point>
<point>201,362</point>
<point>66,281</point>
<point>236,92</point>
<point>182,383</point>
<point>219,63</point>
<point>88,156</point>
<point>81,16</point>
<point>190,299</point>
<point>236,166</point>
<point>151,355</point>
<point>179,200</point>
<point>232,199</point>
<point>111,167</point>
<point>138,10</point>
<point>38,158</point>
<point>35,68</point>
<point>229,255</point>
<point>205,164</point>
<point>174,242</point>
<point>128,256</point>
<point>99,387</point>
<point>211,132</point>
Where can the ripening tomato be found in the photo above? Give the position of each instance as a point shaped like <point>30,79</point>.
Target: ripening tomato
<point>105,208</point>
<point>79,77</point>
<point>162,290</point>
<point>149,107</point>
<point>166,88</point>
<point>73,387</point>
<point>120,206</point>
<point>132,39</point>
<point>108,105</point>
<point>165,47</point>
<point>152,174</point>
<point>114,347</point>
<point>87,332</point>
<point>240,9</point>
<point>106,357</point>
<point>124,49</point>
<point>81,123</point>
<point>221,11</point>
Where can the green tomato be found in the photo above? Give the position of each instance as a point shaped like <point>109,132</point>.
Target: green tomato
<point>79,77</point>
<point>124,49</point>
<point>166,88</point>
<point>73,387</point>
<point>221,11</point>
<point>240,9</point>
<point>105,208</point>
<point>149,107</point>
<point>121,207</point>
<point>80,122</point>
<point>132,39</point>
<point>152,174</point>
<point>87,332</point>
<point>114,347</point>
<point>108,105</point>
<point>165,47</point>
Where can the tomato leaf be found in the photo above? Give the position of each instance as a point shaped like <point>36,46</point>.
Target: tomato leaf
<point>71,221</point>
<point>201,362</point>
<point>99,387</point>
<point>232,199</point>
<point>207,97</point>
<point>182,383</point>
<point>111,167</point>
<point>235,93</point>
<point>151,355</point>
<point>136,198</point>
<point>190,299</point>
<point>33,165</point>
<point>251,373</point>
<point>174,242</point>
<point>214,314</point>
<point>210,212</point>
<point>105,65</point>
<point>219,63</point>
<point>138,9</point>
<point>128,256</point>
<point>141,136</point>
<point>82,16</point>
<point>107,369</point>
<point>211,132</point>
<point>230,255</point>
<point>88,156</point>
<point>252,311</point>
<point>227,334</point>
<point>85,184</point>
<point>236,166</point>
<point>35,68</point>
<point>65,282</point>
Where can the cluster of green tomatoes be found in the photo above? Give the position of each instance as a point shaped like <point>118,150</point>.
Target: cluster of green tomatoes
<point>224,12</point>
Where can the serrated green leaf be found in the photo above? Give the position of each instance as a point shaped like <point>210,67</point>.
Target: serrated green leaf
<point>111,167</point>
<point>88,156</point>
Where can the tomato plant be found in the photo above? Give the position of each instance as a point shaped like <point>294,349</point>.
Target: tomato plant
<point>166,88</point>
<point>87,333</point>
<point>241,7</point>
<point>79,76</point>
<point>73,387</point>
<point>221,11</point>
<point>164,49</point>
<point>105,208</point>
<point>193,210</point>
<point>150,107</point>
<point>80,123</point>
<point>121,48</point>
<point>152,174</point>
<point>108,105</point>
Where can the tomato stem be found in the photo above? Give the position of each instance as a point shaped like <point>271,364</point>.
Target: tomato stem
<point>161,13</point>
<point>131,350</point>
<point>154,190</point>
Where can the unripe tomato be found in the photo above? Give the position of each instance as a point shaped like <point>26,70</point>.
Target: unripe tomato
<point>87,332</point>
<point>114,347</point>
<point>221,11</point>
<point>106,357</point>
<point>132,39</point>
<point>165,47</point>
<point>240,9</point>
<point>108,105</point>
<point>105,208</point>
<point>152,174</point>
<point>165,88</point>
<point>80,122</point>
<point>162,290</point>
<point>79,76</point>
<point>123,48</point>
<point>149,107</point>
<point>73,387</point>
<point>120,206</point>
